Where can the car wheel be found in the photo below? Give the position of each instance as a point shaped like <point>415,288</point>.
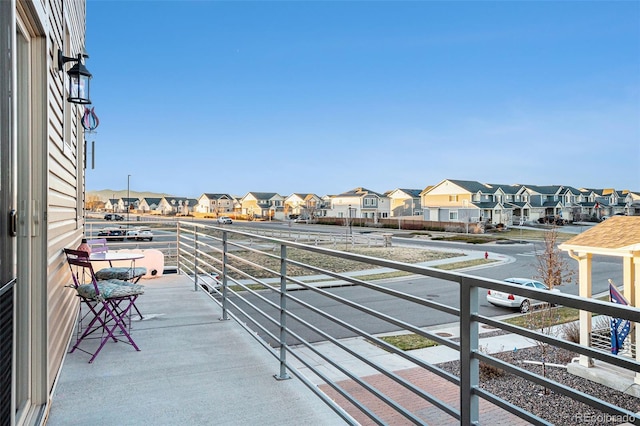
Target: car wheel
<point>150,239</point>
<point>525,306</point>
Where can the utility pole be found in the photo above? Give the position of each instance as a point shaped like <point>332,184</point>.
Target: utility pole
<point>128,199</point>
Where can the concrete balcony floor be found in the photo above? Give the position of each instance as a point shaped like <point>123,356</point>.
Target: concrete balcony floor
<point>192,368</point>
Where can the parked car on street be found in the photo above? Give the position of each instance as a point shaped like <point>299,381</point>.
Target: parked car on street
<point>113,216</point>
<point>225,220</point>
<point>139,234</point>
<point>499,298</point>
<point>145,234</point>
<point>112,234</point>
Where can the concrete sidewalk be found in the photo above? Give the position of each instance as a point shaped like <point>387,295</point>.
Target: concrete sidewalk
<point>433,355</point>
<point>438,387</point>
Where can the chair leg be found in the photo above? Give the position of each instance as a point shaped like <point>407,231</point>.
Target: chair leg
<point>114,319</point>
<point>91,328</point>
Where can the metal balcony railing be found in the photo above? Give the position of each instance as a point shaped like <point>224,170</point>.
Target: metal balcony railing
<point>252,278</point>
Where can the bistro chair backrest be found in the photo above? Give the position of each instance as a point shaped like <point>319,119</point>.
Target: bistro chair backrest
<point>81,267</point>
<point>98,245</point>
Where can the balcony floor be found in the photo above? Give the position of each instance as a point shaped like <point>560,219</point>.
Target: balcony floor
<point>192,369</point>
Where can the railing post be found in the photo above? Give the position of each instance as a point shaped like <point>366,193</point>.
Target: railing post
<point>469,365</point>
<point>195,258</point>
<point>178,245</point>
<point>283,315</point>
<point>225,304</point>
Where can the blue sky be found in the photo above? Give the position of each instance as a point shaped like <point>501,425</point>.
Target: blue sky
<point>323,97</point>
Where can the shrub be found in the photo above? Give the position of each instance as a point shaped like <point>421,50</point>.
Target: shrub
<point>571,331</point>
<point>488,371</point>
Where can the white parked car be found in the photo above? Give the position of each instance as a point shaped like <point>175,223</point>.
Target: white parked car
<point>145,234</point>
<point>499,298</point>
<point>225,219</point>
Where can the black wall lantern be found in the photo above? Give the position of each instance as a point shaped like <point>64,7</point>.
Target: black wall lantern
<point>79,77</point>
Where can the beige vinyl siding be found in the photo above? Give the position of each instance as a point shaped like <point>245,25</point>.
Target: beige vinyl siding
<point>443,200</point>
<point>63,180</point>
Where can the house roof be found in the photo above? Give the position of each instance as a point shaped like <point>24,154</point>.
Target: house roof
<point>213,196</point>
<point>359,192</point>
<point>507,189</point>
<point>616,235</point>
<point>192,201</point>
<point>548,189</point>
<point>571,189</point>
<point>263,195</point>
<point>150,201</point>
<point>304,196</point>
<point>412,192</point>
<point>472,185</point>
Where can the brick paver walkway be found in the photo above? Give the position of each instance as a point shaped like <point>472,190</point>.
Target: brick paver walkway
<point>438,387</point>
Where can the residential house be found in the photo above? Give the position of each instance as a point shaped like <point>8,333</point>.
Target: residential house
<point>111,205</point>
<point>180,206</point>
<point>217,204</point>
<point>619,203</point>
<point>597,202</point>
<point>463,201</point>
<point>516,203</point>
<point>263,205</point>
<point>129,204</point>
<point>304,205</point>
<point>42,181</point>
<point>570,199</point>
<point>361,203</point>
<point>405,202</point>
<point>150,205</point>
<point>632,202</point>
<point>544,200</point>
<point>324,209</point>
<point>610,201</point>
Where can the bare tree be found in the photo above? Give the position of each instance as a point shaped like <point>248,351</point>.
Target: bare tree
<point>553,270</point>
<point>94,203</point>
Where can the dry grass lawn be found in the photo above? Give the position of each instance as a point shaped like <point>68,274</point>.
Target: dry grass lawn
<point>399,254</point>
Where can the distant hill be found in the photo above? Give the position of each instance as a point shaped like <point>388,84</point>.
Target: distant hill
<point>106,194</point>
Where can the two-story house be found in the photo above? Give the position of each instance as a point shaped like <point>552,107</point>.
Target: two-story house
<point>465,201</point>
<point>361,203</point>
<point>404,202</point>
<point>303,205</point>
<point>632,202</point>
<point>263,205</point>
<point>544,201</point>
<point>215,203</point>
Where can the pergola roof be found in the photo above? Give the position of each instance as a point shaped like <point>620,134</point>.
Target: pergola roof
<point>616,236</point>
